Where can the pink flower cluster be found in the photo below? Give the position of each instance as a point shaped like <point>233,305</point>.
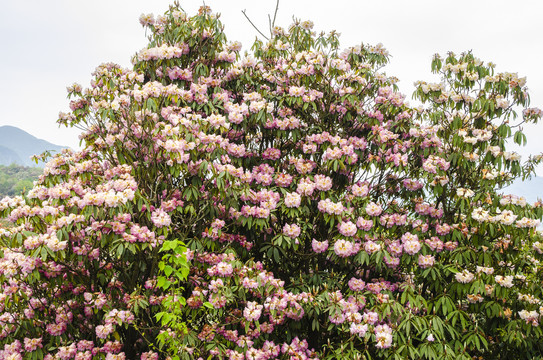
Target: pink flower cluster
<point>291,230</point>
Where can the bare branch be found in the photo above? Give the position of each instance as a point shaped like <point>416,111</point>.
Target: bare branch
<point>260,32</point>
<point>275,14</point>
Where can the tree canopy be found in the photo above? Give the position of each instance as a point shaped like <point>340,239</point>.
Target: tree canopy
<point>282,204</point>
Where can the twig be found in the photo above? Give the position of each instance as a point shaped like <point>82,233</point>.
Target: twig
<point>244,13</point>
<point>275,14</point>
<point>272,23</point>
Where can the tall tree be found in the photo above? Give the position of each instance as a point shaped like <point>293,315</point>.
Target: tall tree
<point>283,204</point>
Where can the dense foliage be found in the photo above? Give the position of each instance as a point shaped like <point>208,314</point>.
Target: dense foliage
<point>15,179</point>
<point>5,224</point>
<point>284,204</point>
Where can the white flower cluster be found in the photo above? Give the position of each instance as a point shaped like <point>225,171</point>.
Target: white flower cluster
<point>505,281</point>
<point>486,270</point>
<point>480,215</point>
<point>474,298</point>
<point>538,247</point>
<point>471,156</point>
<point>512,78</point>
<point>505,217</point>
<point>427,87</point>
<point>501,102</point>
<point>464,277</point>
<point>491,174</point>
<point>11,202</point>
<point>529,316</point>
<point>478,135</point>
<point>511,155</point>
<point>529,298</point>
<point>465,193</point>
<point>527,223</point>
<point>455,68</point>
<point>514,200</point>
<point>495,150</point>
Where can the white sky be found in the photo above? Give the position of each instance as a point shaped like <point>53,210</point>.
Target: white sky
<point>48,45</point>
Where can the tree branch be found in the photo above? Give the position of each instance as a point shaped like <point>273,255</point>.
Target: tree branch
<point>260,32</point>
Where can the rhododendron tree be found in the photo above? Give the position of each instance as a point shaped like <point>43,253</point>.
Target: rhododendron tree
<point>282,204</point>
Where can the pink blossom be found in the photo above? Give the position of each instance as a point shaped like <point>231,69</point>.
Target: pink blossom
<point>371,247</point>
<point>291,230</point>
<point>347,228</point>
<point>160,218</point>
<point>426,261</point>
<point>292,200</point>
<point>383,336</point>
<point>373,209</point>
<point>358,329</point>
<point>411,247</point>
<point>271,154</point>
<point>32,344</point>
<point>356,284</point>
<point>329,207</point>
<point>370,317</point>
<point>296,91</point>
<point>56,329</point>
<point>217,224</point>
<point>102,331</point>
<point>337,318</point>
<point>150,355</point>
<point>252,311</point>
<point>305,187</point>
<point>323,183</point>
<point>343,248</point>
<point>283,180</point>
<point>364,224</point>
<point>319,246</point>
<point>361,190</point>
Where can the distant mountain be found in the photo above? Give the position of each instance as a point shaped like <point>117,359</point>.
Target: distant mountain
<point>8,156</point>
<point>17,146</point>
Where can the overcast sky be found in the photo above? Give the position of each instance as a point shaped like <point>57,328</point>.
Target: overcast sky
<point>48,45</point>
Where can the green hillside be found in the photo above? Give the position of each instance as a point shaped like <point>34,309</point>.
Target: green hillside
<point>15,179</point>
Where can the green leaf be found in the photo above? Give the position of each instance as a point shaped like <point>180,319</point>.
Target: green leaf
<point>208,305</point>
